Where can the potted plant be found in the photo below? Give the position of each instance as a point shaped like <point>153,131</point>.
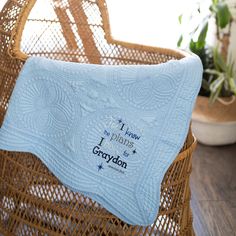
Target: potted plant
<point>214,116</point>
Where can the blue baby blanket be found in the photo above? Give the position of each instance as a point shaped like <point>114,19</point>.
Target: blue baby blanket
<point>110,132</point>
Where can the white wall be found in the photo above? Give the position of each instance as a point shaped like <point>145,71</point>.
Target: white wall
<point>152,22</point>
<point>2,2</point>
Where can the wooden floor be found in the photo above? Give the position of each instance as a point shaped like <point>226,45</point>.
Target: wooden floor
<point>213,184</point>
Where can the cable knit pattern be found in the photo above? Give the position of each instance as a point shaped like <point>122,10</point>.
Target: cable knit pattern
<point>109,132</point>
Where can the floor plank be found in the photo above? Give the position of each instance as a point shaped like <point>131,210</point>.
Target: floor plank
<point>213,185</point>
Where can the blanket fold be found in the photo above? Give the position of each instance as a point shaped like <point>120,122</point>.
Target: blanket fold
<point>109,132</point>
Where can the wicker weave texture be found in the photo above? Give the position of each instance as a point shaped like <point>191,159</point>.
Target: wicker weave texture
<point>32,200</point>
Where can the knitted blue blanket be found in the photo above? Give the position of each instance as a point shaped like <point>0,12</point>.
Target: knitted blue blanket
<point>109,132</point>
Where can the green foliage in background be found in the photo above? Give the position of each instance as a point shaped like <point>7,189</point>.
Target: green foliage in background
<point>219,76</point>
<point>222,79</point>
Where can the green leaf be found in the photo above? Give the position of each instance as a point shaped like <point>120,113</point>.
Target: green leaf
<point>213,72</point>
<point>230,67</point>
<point>193,46</point>
<point>180,18</point>
<point>198,46</point>
<point>180,41</point>
<point>226,85</point>
<point>219,61</point>
<point>215,95</point>
<point>232,85</point>
<point>215,1</point>
<point>216,84</point>
<point>223,14</point>
<point>202,36</point>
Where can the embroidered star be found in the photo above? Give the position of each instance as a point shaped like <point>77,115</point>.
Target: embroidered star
<point>134,151</point>
<point>125,153</point>
<point>100,167</point>
<point>106,133</point>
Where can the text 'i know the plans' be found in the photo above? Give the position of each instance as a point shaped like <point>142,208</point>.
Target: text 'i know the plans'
<point>123,136</point>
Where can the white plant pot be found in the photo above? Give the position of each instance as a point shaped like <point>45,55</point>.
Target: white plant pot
<point>214,133</point>
<point>216,124</point>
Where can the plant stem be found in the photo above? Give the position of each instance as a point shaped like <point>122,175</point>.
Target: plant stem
<point>225,42</point>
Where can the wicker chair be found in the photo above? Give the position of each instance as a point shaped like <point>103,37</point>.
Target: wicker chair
<point>32,200</point>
